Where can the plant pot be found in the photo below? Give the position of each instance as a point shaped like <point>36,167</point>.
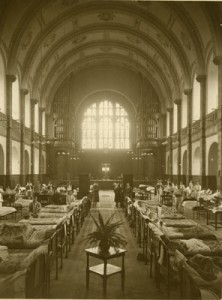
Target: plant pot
<point>104,247</point>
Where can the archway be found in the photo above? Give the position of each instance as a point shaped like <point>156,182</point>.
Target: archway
<point>196,100</point>
<point>213,159</point>
<point>212,86</point>
<point>212,166</point>
<point>184,163</point>
<point>15,161</point>
<point>2,85</point>
<point>196,162</point>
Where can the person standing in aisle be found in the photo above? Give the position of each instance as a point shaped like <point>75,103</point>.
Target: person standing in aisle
<point>95,194</point>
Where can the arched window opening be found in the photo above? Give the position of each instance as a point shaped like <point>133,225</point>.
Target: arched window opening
<point>184,165</point>
<point>2,86</point>
<point>196,100</point>
<point>212,87</point>
<point>27,111</point>
<point>105,126</point>
<point>15,161</point>
<point>196,162</point>
<point>15,100</point>
<point>213,160</point>
<point>2,161</point>
<point>37,117</point>
<point>175,128</point>
<point>184,111</point>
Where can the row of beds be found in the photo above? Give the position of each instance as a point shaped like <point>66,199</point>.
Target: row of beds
<point>180,251</point>
<point>32,250</point>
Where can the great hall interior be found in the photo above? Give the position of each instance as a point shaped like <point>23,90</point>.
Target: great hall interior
<point>110,149</point>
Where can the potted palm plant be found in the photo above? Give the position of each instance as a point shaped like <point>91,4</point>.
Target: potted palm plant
<point>105,235</point>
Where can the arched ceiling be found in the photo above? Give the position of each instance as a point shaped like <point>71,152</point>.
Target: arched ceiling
<point>46,40</point>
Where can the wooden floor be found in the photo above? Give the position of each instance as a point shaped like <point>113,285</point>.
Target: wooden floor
<point>72,278</point>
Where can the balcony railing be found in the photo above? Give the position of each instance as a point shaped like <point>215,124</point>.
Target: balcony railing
<point>212,117</point>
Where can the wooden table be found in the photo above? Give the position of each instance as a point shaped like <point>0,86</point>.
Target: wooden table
<point>104,269</point>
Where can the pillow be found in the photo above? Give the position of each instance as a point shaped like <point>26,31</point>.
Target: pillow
<point>4,255</point>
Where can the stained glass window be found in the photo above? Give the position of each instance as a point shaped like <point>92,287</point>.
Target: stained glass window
<point>105,126</point>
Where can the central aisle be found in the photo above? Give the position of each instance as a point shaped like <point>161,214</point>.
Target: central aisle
<point>72,278</point>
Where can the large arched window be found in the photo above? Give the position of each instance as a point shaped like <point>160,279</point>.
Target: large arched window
<point>105,126</point>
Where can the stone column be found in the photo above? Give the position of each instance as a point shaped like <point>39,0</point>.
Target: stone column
<point>23,93</point>
<point>218,61</point>
<point>50,154</point>
<point>9,80</point>
<point>203,96</point>
<point>162,147</point>
<point>170,110</point>
<point>41,110</point>
<point>188,93</point>
<point>178,102</point>
<point>32,127</point>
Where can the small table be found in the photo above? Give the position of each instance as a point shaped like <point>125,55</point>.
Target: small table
<point>215,222</point>
<point>105,270</point>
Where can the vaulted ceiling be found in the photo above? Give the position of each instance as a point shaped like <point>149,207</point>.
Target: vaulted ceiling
<point>43,41</point>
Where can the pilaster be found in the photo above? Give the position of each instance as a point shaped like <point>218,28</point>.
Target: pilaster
<point>41,110</point>
<point>218,61</point>
<point>170,110</point>
<point>188,93</point>
<point>33,103</point>
<point>23,93</point>
<point>202,80</point>
<point>9,80</point>
<point>178,102</point>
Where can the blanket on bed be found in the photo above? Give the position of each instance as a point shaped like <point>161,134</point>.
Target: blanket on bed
<point>196,231</point>
<point>208,268</point>
<point>172,216</point>
<point>196,246</point>
<point>21,235</point>
<point>43,221</point>
<point>179,223</point>
<point>56,208</point>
